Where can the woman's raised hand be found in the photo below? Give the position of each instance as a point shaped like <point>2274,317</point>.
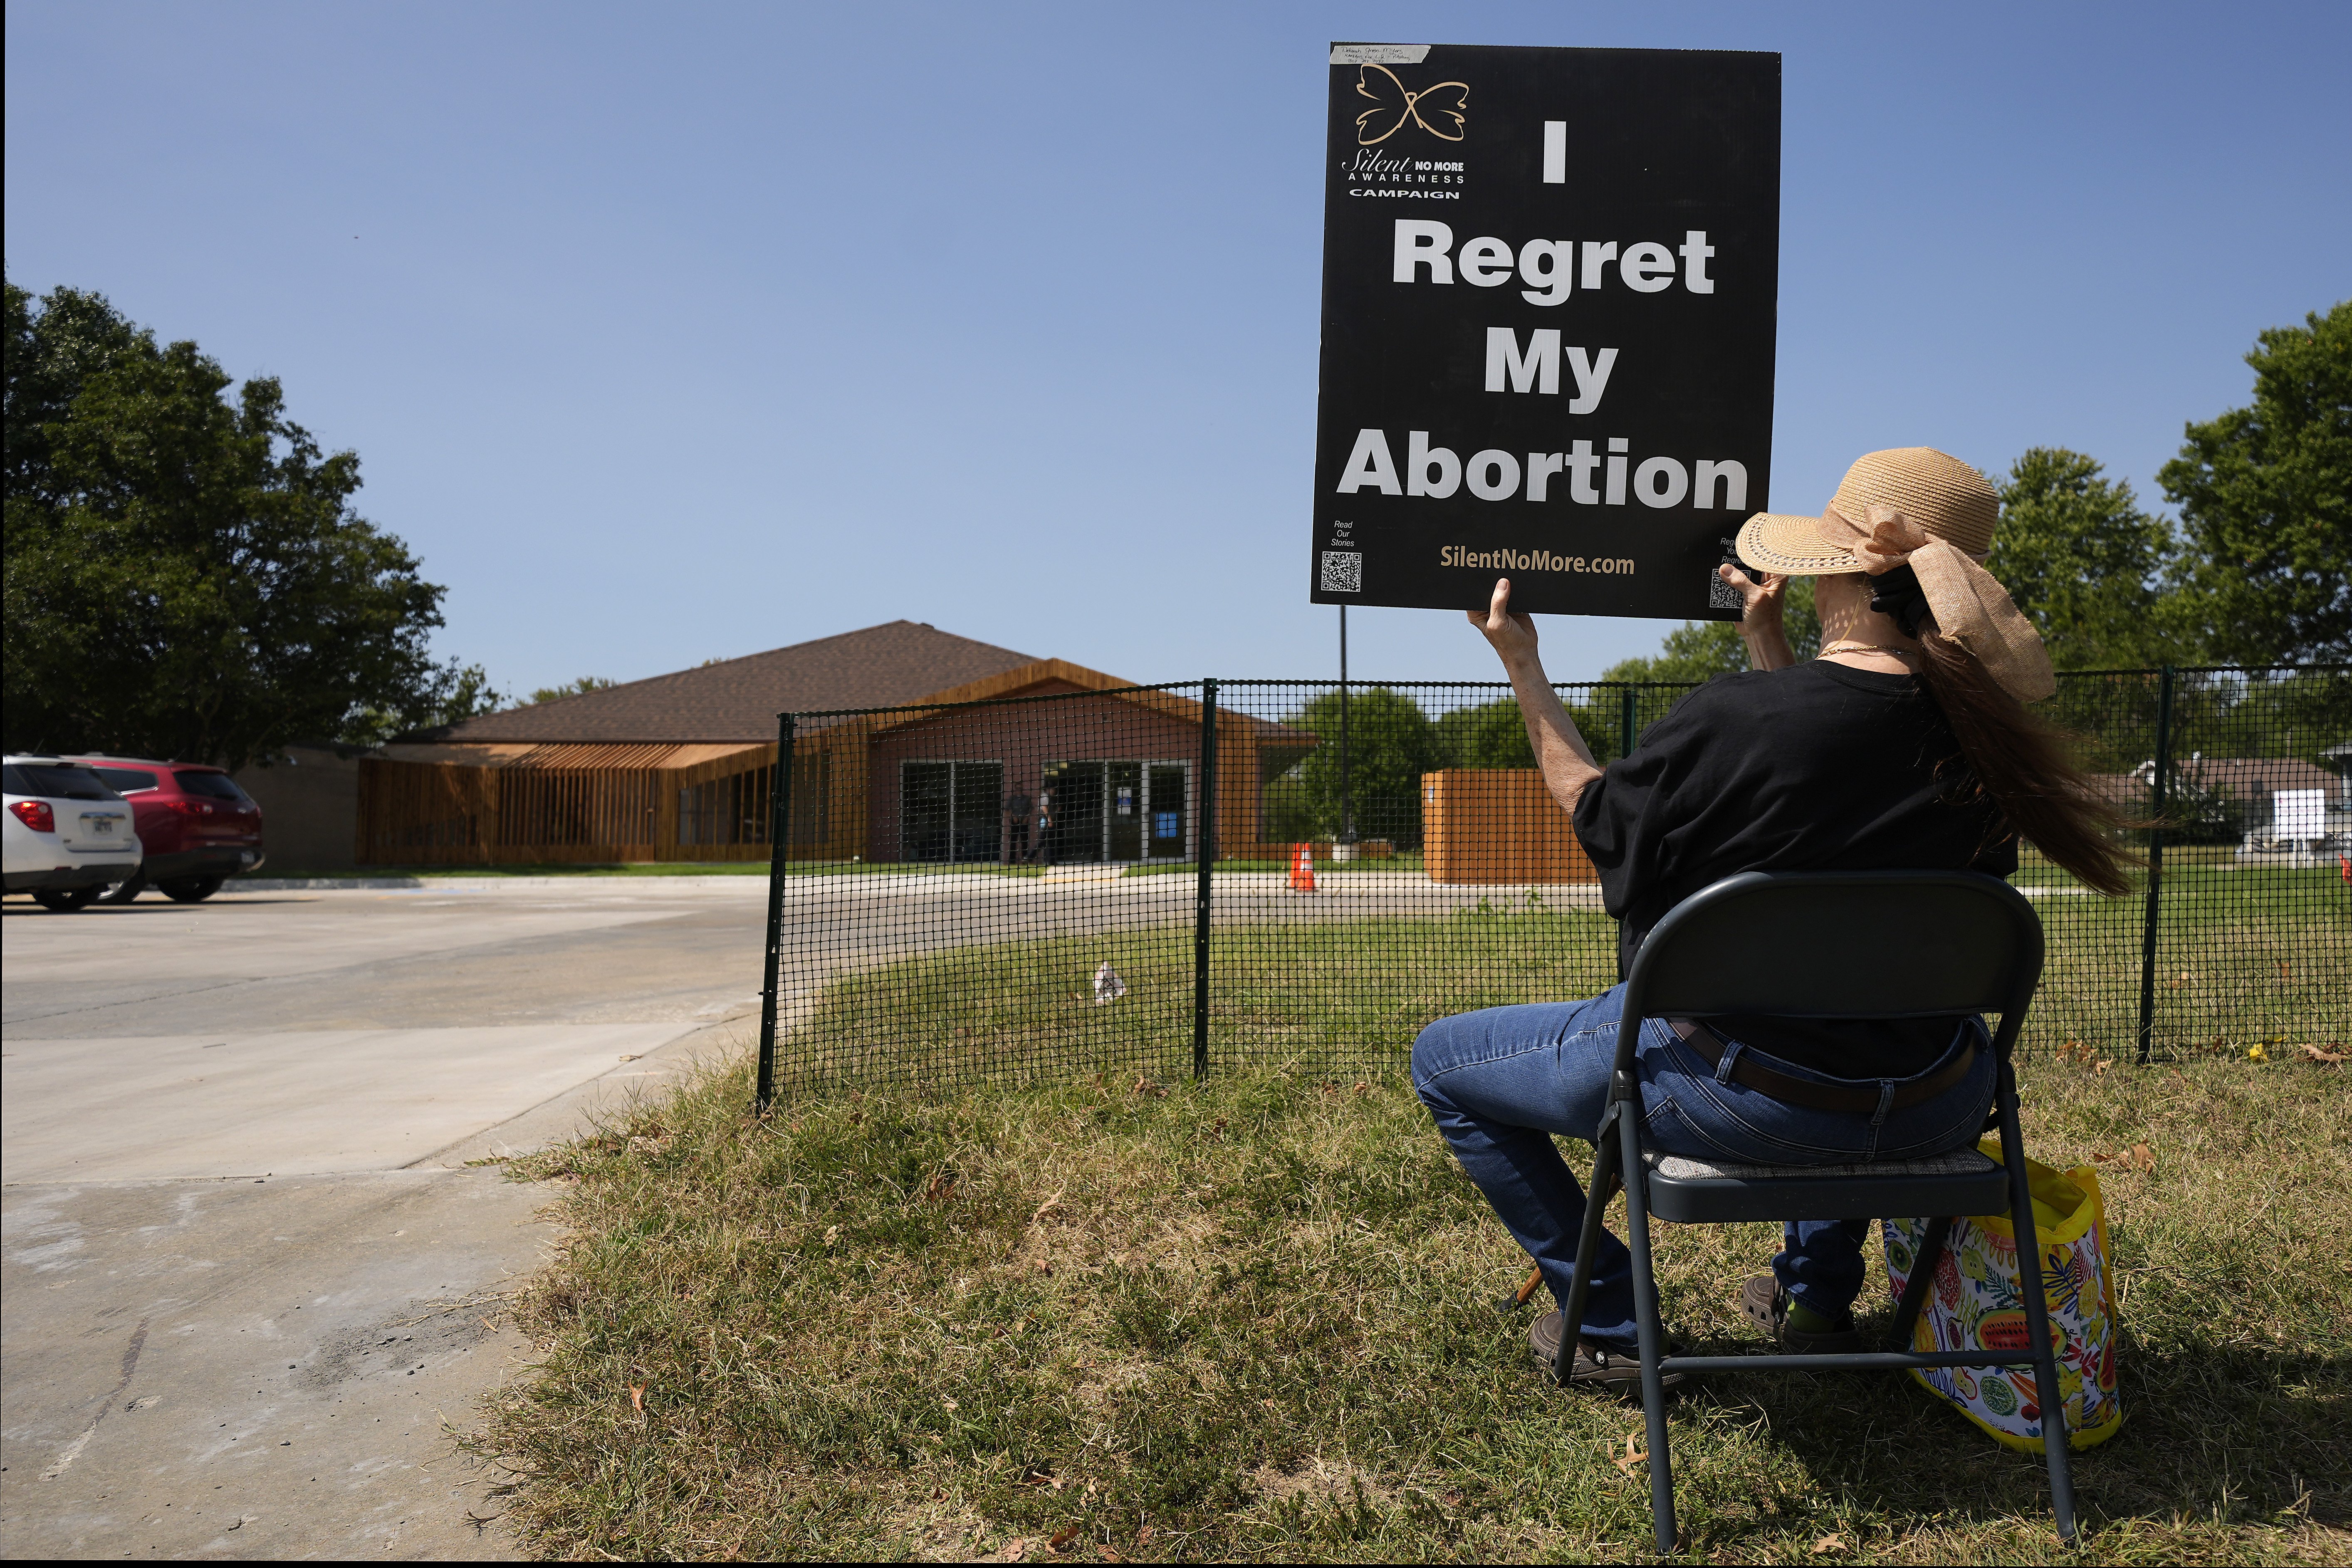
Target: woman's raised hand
<point>1512,635</point>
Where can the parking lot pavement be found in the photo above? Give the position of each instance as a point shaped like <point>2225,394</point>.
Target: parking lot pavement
<point>246,1276</point>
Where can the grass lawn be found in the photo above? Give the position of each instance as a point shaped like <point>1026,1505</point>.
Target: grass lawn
<point>2246,959</point>
<point>1252,1317</point>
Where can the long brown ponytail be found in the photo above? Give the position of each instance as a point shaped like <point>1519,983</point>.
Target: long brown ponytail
<point>2021,763</point>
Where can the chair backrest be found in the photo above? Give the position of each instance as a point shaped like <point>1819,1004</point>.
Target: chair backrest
<point>1843,944</point>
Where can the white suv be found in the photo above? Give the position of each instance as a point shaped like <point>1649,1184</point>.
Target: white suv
<point>66,834</point>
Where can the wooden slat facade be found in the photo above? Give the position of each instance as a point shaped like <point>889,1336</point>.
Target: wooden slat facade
<point>1497,824</point>
<point>453,814</point>
<point>599,803</point>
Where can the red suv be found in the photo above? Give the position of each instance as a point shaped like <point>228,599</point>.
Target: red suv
<point>195,828</point>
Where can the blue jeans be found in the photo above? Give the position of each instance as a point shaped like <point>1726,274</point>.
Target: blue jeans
<point>1503,1081</point>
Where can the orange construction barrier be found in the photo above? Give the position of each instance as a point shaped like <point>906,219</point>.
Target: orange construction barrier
<point>1302,868</point>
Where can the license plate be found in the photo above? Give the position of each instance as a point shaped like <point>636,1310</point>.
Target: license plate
<point>102,826</point>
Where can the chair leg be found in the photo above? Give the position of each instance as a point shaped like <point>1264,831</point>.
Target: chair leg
<point>1588,1241</point>
<point>2037,1309</point>
<point>1923,1279</point>
<point>1653,1340</point>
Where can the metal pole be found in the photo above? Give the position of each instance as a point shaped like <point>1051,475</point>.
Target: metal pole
<point>1346,808</point>
<point>2155,868</point>
<point>1204,844</point>
<point>1628,706</point>
<point>780,827</point>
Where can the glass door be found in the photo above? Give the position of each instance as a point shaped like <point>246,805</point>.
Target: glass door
<point>1124,784</point>
<point>1166,806</point>
<point>1071,801</point>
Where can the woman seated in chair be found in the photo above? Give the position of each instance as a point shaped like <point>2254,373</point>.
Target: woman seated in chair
<point>1905,745</point>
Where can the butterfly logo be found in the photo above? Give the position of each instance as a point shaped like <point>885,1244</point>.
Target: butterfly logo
<point>1438,110</point>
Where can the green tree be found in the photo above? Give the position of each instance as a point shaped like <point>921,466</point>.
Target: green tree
<point>185,576</point>
<point>1698,650</point>
<point>1390,745</point>
<point>2084,563</point>
<point>580,687</point>
<point>2265,498</point>
<point>1490,735</point>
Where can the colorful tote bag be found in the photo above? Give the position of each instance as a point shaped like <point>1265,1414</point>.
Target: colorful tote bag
<point>1977,1303</point>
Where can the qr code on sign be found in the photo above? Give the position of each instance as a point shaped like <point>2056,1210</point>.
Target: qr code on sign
<point>1343,572</point>
<point>1720,594</point>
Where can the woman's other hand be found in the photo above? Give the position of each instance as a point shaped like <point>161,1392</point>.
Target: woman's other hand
<point>1512,635</point>
<point>1760,625</point>
<point>1760,602</point>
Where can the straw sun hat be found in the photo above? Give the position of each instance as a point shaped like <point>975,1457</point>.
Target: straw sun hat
<point>1947,499</point>
<point>1920,522</point>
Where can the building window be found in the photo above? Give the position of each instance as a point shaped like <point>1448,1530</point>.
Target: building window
<point>952,811</point>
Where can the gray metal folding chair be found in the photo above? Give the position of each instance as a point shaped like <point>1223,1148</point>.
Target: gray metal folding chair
<point>1931,944</point>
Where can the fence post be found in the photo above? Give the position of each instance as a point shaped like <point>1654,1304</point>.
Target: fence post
<point>780,832</point>
<point>2155,866</point>
<point>1205,846</point>
<point>1628,703</point>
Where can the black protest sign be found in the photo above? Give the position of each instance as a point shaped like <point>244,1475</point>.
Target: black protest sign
<point>1549,279</point>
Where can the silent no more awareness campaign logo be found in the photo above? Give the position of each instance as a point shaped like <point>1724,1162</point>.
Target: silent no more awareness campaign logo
<point>1397,106</point>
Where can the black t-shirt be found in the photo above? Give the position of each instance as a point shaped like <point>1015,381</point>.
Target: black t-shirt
<point>1818,767</point>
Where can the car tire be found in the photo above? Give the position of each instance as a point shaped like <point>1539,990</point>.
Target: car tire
<point>190,889</point>
<point>66,900</point>
<point>122,893</point>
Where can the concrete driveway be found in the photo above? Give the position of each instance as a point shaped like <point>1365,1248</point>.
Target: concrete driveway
<point>247,1275</point>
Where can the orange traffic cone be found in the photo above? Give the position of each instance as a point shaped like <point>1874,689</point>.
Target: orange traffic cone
<point>1302,868</point>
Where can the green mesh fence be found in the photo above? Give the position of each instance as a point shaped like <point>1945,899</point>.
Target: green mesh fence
<point>1145,882</point>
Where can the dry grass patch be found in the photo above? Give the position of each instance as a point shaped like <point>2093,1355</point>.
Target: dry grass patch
<point>1253,1318</point>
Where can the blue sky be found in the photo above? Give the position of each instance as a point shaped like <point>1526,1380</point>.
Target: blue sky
<point>672,332</point>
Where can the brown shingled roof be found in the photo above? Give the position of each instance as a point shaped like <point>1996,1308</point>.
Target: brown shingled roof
<point>739,698</point>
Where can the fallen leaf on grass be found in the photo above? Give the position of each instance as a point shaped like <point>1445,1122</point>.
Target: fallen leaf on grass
<point>1060,1540</point>
<point>1828,1543</point>
<point>2255,1053</point>
<point>1048,1206</point>
<point>1014,1551</point>
<point>941,1189</point>
<point>1107,1555</point>
<point>2330,1057</point>
<point>1628,1459</point>
<point>950,1404</point>
<point>638,1397</point>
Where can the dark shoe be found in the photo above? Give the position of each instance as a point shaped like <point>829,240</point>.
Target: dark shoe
<point>1768,1308</point>
<point>1595,1366</point>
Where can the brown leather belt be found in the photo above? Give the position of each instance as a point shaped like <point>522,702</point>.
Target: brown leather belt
<point>1746,1069</point>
